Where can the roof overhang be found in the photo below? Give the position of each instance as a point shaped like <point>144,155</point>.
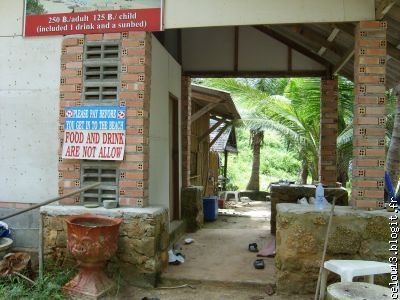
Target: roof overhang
<point>220,101</point>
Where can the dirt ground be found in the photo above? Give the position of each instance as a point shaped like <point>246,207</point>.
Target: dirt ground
<point>205,292</point>
<point>218,264</point>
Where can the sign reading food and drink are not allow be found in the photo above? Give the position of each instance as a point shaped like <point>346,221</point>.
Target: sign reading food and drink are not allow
<point>94,132</point>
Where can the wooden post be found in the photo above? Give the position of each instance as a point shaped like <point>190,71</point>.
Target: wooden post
<point>225,169</point>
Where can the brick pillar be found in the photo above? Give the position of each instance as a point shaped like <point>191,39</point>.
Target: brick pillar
<point>69,173</point>
<point>134,93</point>
<point>369,114</point>
<point>186,112</point>
<point>328,131</point>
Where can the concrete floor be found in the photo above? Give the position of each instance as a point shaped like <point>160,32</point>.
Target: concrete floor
<point>204,292</point>
<point>218,264</point>
<point>220,253</point>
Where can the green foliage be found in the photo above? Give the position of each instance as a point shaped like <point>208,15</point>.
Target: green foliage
<point>291,108</point>
<point>47,287</point>
<point>277,161</point>
<point>34,7</point>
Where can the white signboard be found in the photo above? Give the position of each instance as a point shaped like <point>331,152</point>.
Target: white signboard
<point>94,132</point>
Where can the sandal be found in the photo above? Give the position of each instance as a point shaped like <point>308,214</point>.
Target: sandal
<point>253,247</point>
<point>259,264</point>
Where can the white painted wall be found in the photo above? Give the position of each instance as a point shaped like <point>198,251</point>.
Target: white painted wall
<point>212,49</point>
<point>11,17</point>
<point>165,78</point>
<point>29,95</point>
<point>203,13</point>
<point>259,52</point>
<point>302,62</point>
<point>208,48</point>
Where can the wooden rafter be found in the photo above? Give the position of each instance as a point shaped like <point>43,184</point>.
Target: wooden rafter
<point>343,61</point>
<point>211,129</point>
<point>205,97</point>
<point>292,44</point>
<point>317,39</point>
<point>331,37</point>
<point>203,111</point>
<point>395,13</point>
<point>236,50</point>
<point>382,7</point>
<point>391,49</point>
<point>179,46</point>
<point>255,74</point>
<point>290,59</point>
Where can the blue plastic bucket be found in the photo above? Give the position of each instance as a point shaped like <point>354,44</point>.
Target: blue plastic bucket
<point>210,208</point>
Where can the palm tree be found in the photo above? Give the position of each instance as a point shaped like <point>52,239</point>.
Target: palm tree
<point>262,109</point>
<point>296,116</point>
<point>250,93</point>
<point>256,141</point>
<point>393,129</point>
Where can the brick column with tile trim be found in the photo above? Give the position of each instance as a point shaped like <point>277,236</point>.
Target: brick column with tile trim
<point>186,112</point>
<point>134,93</point>
<point>328,132</point>
<point>369,114</point>
<point>69,173</point>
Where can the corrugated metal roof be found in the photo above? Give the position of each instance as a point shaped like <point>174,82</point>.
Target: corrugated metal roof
<point>227,140</point>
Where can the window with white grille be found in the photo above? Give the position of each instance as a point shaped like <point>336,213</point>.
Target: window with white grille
<point>104,172</point>
<point>101,73</point>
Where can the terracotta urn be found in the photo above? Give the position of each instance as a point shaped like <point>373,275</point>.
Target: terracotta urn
<point>92,240</point>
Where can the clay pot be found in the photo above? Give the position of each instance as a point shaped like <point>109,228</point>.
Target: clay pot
<point>92,240</point>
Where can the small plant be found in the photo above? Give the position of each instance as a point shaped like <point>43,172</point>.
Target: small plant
<point>47,287</point>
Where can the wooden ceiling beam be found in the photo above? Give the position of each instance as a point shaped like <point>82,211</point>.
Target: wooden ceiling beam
<point>255,74</point>
<point>317,39</point>
<point>392,50</point>
<point>395,13</point>
<point>345,27</point>
<point>236,49</point>
<point>292,44</point>
<point>203,111</point>
<point>211,129</point>
<point>331,37</point>
<point>205,97</point>
<point>382,7</point>
<point>343,61</point>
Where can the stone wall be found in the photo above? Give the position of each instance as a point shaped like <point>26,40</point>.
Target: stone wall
<point>142,245</point>
<point>355,234</point>
<point>192,208</point>
<point>290,193</point>
<point>254,195</point>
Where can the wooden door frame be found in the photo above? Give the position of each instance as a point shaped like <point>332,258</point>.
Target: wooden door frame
<point>175,156</point>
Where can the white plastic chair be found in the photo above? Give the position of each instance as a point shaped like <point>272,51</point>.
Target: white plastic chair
<point>234,193</point>
<point>348,269</point>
